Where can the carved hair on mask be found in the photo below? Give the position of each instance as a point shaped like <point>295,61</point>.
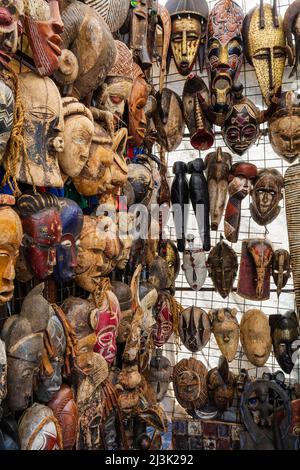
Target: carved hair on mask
<point>113,12</point>
<point>284,127</point>
<point>11,13</point>
<point>225,327</point>
<point>180,202</point>
<point>39,429</point>
<point>137,103</point>
<point>168,119</point>
<point>266,194</point>
<point>43,124</point>
<point>44,26</point>
<point>194,328</point>
<point>159,374</point>
<point>78,134</point>
<point>7,106</point>
<point>291,27</point>
<point>201,135</point>
<point>42,231</point>
<point>124,296</point>
<point>220,385</point>
<point>163,328</point>
<point>281,269</point>
<point>64,408</point>
<point>285,335</point>
<point>255,269</point>
<point>256,337</point>
<point>3,373</point>
<point>224,52</point>
<point>265,49</point>
<point>194,265</point>
<point>217,166</point>
<point>222,266</point>
<point>189,33</point>
<point>189,382</point>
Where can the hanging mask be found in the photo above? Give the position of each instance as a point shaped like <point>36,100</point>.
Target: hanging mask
<point>169,252</point>
<point>284,127</point>
<point>11,13</point>
<point>222,266</point>
<point>163,328</point>
<point>3,373</point>
<point>266,195</point>
<point>291,27</point>
<point>225,328</point>
<point>255,269</point>
<point>189,32</point>
<point>159,375</point>
<point>113,12</point>
<point>7,105</point>
<point>281,269</point>
<point>194,265</point>
<point>64,408</point>
<point>265,48</point>
<point>137,103</point>
<point>148,299</point>
<point>78,312</point>
<point>218,166</point>
<point>256,337</point>
<point>189,382</point>
<point>43,125</point>
<point>139,25</point>
<point>224,52</point>
<point>123,293</point>
<point>221,385</point>
<point>285,338</point>
<point>168,119</point>
<point>39,429</point>
<point>194,328</point>
<point>141,180</point>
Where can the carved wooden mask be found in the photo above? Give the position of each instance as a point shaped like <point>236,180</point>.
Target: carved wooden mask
<point>168,119</point>
<point>194,265</point>
<point>65,410</point>
<point>291,27</point>
<point>222,266</point>
<point>159,375</point>
<point>266,194</point>
<point>11,12</point>
<point>285,335</point>
<point>221,385</point>
<point>225,327</point>
<point>281,268</point>
<point>189,382</point>
<point>256,337</point>
<point>194,328</point>
<point>137,103</point>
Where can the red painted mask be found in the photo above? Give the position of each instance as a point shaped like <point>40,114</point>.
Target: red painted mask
<point>163,328</point>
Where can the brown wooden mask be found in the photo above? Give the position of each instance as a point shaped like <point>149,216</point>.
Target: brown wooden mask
<point>163,328</point>
<point>256,337</point>
<point>266,195</point>
<point>168,120</point>
<point>194,328</point>
<point>189,382</point>
<point>281,269</point>
<point>218,166</point>
<point>255,269</point>
<point>137,103</point>
<point>65,411</point>
<point>139,24</point>
<point>222,266</point>
<point>159,374</point>
<point>11,12</point>
<point>113,12</point>
<point>220,385</point>
<point>291,27</point>
<point>285,335</point>
<point>225,328</point>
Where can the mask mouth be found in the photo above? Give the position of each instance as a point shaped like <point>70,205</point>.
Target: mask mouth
<point>185,66</point>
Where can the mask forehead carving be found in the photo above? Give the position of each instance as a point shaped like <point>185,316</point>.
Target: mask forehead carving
<point>281,269</point>
<point>113,12</point>
<point>194,328</point>
<point>11,12</point>
<point>285,333</point>
<point>265,48</point>
<point>189,381</point>
<point>266,195</point>
<point>222,267</point>
<point>225,328</point>
<point>256,337</point>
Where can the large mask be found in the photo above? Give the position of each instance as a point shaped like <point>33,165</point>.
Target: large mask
<point>222,266</point>
<point>189,31</point>
<point>39,429</point>
<point>43,26</point>
<point>64,408</point>
<point>224,52</point>
<point>66,253</point>
<point>265,48</point>
<point>11,234</point>
<point>194,328</point>
<point>189,382</point>
<point>42,231</point>
<point>285,338</point>
<point>221,385</point>
<point>168,119</point>
<point>281,269</point>
<point>163,328</point>
<point>266,195</point>
<point>137,103</point>
<point>225,328</point>
<point>159,375</point>
<point>7,105</point>
<point>11,11</point>
<point>291,27</point>
<point>218,166</point>
<point>194,265</point>
<point>43,125</point>
<point>256,337</point>
<point>3,373</point>
<point>284,127</point>
<point>124,296</point>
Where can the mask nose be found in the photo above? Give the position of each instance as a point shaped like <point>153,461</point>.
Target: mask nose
<point>184,44</point>
<point>57,23</point>
<point>291,146</point>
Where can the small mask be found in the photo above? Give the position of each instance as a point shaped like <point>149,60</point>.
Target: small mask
<point>224,52</point>
<point>265,48</point>
<point>222,266</point>
<point>137,103</point>
<point>42,231</point>
<point>124,296</point>
<point>3,372</point>
<point>64,408</point>
<point>7,105</point>
<point>189,382</point>
<point>218,166</point>
<point>281,269</point>
<point>266,195</point>
<point>194,265</point>
<point>284,127</point>
<point>139,24</point>
<point>194,328</point>
<point>39,429</point>
<point>11,13</point>
<point>188,34</point>
<point>66,253</point>
<point>159,375</point>
<point>168,119</point>
<point>256,337</point>
<point>225,328</point>
<point>285,335</point>
<point>163,328</point>
<point>220,385</point>
<point>291,27</point>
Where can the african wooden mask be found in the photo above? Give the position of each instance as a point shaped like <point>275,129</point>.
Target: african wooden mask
<point>265,47</point>
<point>137,103</point>
<point>291,27</point>
<point>42,231</point>
<point>266,195</point>
<point>256,337</point>
<point>168,119</point>
<point>189,382</point>
<point>285,335</point>
<point>188,34</point>
<point>113,12</point>
<point>218,166</point>
<point>159,374</point>
<point>7,105</point>
<point>39,429</point>
<point>225,327</point>
<point>43,125</point>
<point>44,26</point>
<point>281,269</point>
<point>11,234</point>
<point>194,264</point>
<point>163,328</point>
<point>12,12</point>
<point>124,296</point>
<point>222,266</point>
<point>224,52</point>
<point>3,373</point>
<point>64,408</point>
<point>78,134</point>
<point>194,328</point>
<point>255,269</point>
<point>220,385</point>
<point>284,127</point>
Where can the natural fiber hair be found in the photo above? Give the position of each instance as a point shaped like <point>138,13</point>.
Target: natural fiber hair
<point>45,421</point>
<point>30,203</point>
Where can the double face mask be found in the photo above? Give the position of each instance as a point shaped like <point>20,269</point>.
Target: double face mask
<point>222,266</point>
<point>256,337</point>
<point>266,195</point>
<point>194,328</point>
<point>225,327</point>
<point>285,338</point>
<point>11,12</point>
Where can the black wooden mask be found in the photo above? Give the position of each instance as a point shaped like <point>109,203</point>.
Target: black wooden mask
<point>222,267</point>
<point>285,332</point>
